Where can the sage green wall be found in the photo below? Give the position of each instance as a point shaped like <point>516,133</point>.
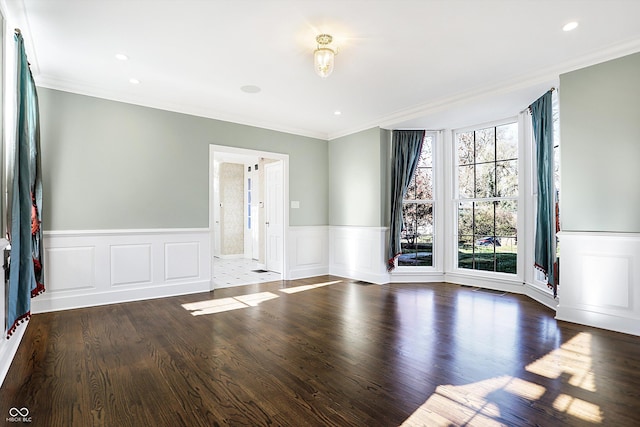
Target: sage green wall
<point>112,165</point>
<point>357,175</point>
<point>600,147</point>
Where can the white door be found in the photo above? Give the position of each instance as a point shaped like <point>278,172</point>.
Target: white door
<point>274,216</point>
<point>216,209</point>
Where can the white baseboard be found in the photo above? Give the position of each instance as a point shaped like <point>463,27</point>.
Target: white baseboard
<point>231,256</point>
<point>87,268</point>
<point>497,283</point>
<point>542,296</point>
<point>70,301</point>
<point>400,275</point>
<point>8,349</point>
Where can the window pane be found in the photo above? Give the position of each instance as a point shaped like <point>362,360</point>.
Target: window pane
<point>506,240</point>
<point>465,148</point>
<point>488,169</point>
<point>424,220</point>
<point>485,180</point>
<point>426,155</point>
<point>411,189</point>
<point>483,220</point>
<point>484,259</point>
<point>507,178</point>
<point>409,218</point>
<point>485,145</point>
<point>417,238</point>
<point>465,219</point>
<point>423,187</point>
<point>507,142</point>
<point>506,218</point>
<point>465,182</point>
<point>465,251</point>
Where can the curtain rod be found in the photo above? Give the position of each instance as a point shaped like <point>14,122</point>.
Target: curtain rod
<point>529,107</point>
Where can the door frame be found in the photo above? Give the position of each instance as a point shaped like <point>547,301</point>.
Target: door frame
<point>213,149</point>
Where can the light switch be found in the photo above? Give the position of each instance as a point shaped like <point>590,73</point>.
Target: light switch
<point>295,204</point>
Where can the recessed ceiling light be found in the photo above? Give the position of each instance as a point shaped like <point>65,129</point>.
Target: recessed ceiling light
<point>337,113</point>
<point>570,26</point>
<point>250,89</point>
<point>121,57</point>
<point>134,81</point>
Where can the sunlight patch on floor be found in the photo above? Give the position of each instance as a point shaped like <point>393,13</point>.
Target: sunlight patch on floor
<point>477,404</point>
<point>578,408</point>
<point>297,289</point>
<point>220,305</point>
<point>255,299</point>
<point>572,359</point>
<point>214,306</point>
<point>227,304</point>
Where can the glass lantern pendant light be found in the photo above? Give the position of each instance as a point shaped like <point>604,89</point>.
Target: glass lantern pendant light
<point>324,55</point>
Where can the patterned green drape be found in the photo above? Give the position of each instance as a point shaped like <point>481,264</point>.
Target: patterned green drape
<point>406,147</point>
<point>545,239</point>
<point>24,198</point>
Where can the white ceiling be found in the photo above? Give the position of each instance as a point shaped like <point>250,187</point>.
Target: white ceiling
<point>401,63</point>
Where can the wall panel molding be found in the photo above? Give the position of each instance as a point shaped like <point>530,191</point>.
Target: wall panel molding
<point>308,248</point>
<point>86,268</point>
<point>600,280</point>
<point>359,253</point>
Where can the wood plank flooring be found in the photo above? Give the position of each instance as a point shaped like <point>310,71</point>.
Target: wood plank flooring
<point>323,352</point>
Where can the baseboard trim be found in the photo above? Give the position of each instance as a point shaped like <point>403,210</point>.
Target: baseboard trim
<point>305,273</point>
<point>378,279</point>
<point>9,348</point>
<point>626,325</point>
<point>69,302</point>
<point>539,295</point>
<point>498,284</point>
<point>416,277</point>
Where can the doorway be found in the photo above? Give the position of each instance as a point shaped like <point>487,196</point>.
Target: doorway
<point>248,215</point>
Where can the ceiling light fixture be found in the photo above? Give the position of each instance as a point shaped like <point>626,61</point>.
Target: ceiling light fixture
<point>121,57</point>
<point>324,55</point>
<point>570,26</point>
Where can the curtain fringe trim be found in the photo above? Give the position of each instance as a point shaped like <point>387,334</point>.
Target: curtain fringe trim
<point>551,286</point>
<point>38,290</point>
<point>25,317</point>
<point>391,263</point>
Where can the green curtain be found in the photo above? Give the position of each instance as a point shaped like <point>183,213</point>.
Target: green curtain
<point>406,147</point>
<point>545,239</point>
<point>24,188</point>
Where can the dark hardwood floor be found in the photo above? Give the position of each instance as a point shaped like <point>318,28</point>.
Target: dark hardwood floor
<point>341,354</point>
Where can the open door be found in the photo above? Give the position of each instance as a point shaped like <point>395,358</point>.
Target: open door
<point>274,218</point>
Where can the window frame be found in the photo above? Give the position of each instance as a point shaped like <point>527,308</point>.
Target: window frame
<point>519,199</point>
<point>436,180</point>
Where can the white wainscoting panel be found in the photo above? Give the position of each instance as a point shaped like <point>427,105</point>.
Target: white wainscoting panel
<point>600,280</point>
<point>359,253</point>
<point>130,264</point>
<point>87,268</point>
<point>182,260</point>
<point>74,267</point>
<point>308,248</point>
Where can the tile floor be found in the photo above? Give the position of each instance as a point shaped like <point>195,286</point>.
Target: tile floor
<point>236,272</point>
